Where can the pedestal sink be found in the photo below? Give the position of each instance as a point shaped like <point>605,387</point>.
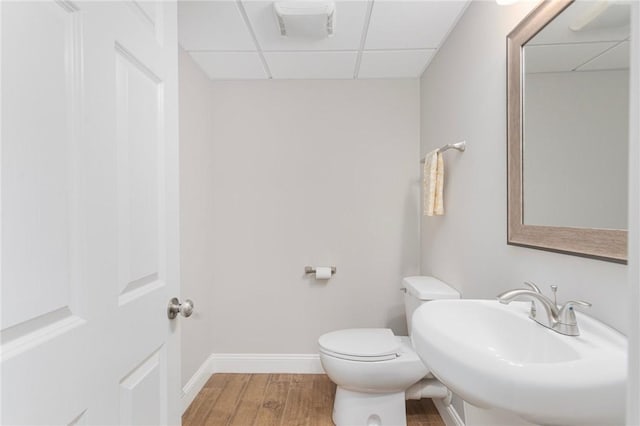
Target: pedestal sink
<point>493,356</point>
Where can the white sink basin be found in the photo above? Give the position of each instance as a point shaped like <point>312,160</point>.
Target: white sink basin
<point>494,356</point>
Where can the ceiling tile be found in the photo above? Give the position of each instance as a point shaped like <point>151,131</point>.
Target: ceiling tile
<point>398,24</point>
<point>394,63</point>
<point>616,58</point>
<point>230,65</point>
<point>212,25</point>
<point>301,65</point>
<point>560,57</point>
<point>350,18</point>
<point>558,31</point>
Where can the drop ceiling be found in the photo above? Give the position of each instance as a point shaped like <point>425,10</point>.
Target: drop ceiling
<point>602,44</point>
<point>240,39</point>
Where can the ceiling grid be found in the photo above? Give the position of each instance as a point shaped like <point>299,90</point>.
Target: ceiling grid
<point>240,39</point>
<point>363,40</point>
<point>245,18</point>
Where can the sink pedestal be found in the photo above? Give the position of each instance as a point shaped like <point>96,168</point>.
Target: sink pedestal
<point>476,416</point>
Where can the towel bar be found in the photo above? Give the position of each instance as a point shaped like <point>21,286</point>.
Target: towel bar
<point>460,146</point>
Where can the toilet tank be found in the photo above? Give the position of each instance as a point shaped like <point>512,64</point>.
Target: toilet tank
<point>419,290</point>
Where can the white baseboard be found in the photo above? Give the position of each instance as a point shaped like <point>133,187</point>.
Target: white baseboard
<point>267,363</point>
<point>248,363</point>
<point>196,382</point>
<point>448,413</point>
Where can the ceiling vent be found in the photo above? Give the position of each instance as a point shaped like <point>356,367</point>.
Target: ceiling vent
<point>307,19</point>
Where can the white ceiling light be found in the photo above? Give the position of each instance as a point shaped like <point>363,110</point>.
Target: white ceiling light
<point>310,19</point>
<point>603,14</point>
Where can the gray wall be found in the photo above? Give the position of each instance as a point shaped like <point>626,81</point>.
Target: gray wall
<point>310,173</point>
<point>196,130</point>
<point>463,96</point>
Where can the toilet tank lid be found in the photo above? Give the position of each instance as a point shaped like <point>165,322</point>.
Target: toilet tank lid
<point>429,288</point>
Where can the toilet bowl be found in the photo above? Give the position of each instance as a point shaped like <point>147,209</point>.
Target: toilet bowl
<point>375,370</point>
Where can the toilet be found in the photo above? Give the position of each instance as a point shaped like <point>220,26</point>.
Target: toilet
<point>376,371</point>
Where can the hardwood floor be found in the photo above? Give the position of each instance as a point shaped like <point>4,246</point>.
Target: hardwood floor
<point>279,399</point>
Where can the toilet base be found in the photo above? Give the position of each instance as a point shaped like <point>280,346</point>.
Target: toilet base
<point>369,409</point>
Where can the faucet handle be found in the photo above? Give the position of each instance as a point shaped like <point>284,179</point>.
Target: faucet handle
<point>567,314</point>
<point>533,286</point>
<point>533,312</point>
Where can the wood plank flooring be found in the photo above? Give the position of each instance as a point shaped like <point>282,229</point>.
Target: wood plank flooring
<point>279,399</point>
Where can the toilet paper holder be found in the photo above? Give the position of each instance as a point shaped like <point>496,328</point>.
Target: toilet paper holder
<point>312,270</point>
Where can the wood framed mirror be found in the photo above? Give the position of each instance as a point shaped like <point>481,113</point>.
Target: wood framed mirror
<point>567,148</point>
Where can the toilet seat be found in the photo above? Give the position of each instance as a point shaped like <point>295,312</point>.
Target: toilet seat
<point>361,344</point>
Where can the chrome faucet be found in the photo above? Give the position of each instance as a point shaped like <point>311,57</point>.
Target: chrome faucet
<point>561,319</point>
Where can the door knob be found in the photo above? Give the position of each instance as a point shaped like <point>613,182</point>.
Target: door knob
<point>175,307</point>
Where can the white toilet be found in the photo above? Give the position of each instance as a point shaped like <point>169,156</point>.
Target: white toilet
<point>375,371</point>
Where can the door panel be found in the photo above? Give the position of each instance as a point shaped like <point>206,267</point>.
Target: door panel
<point>37,170</point>
<point>139,96</point>
<point>89,228</point>
<point>141,395</point>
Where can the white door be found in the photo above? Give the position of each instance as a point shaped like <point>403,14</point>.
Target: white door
<point>89,213</point>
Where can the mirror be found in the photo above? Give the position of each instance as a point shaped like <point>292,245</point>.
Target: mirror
<point>568,121</point>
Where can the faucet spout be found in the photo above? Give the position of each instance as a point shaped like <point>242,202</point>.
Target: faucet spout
<point>550,308</point>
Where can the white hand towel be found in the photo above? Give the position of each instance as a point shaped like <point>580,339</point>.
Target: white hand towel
<point>433,183</point>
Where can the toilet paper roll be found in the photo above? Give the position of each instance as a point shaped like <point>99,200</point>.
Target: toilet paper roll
<point>323,272</point>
